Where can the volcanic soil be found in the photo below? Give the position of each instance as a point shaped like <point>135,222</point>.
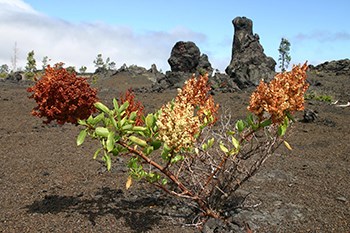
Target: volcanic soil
<point>48,184</point>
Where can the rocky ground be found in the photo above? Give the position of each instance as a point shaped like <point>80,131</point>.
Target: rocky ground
<point>48,184</point>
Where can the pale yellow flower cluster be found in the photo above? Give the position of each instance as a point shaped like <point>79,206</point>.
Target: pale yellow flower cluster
<point>180,121</point>
<point>177,125</point>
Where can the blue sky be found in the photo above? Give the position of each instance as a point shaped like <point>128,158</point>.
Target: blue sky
<point>143,32</point>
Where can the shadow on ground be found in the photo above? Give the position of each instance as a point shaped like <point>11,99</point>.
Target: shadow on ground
<point>106,201</point>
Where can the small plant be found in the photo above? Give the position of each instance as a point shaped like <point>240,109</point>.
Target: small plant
<point>284,57</point>
<point>63,97</point>
<point>313,95</point>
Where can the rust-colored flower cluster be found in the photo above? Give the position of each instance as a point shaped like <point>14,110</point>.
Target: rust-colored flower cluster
<point>62,96</point>
<point>285,93</point>
<point>197,93</point>
<point>133,106</point>
<point>180,120</point>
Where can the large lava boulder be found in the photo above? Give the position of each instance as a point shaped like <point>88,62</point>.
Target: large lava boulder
<point>186,57</point>
<point>249,64</point>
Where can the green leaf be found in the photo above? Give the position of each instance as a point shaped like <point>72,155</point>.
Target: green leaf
<point>98,118</point>
<point>177,158</point>
<point>107,160</point>
<point>250,120</point>
<point>223,148</point>
<point>204,146</point>
<point>124,106</point>
<point>97,152</point>
<point>235,142</point>
<point>150,121</point>
<point>133,115</point>
<point>282,130</point>
<point>138,141</point>
<point>110,142</point>
<point>230,132</point>
<point>211,142</point>
<point>115,104</point>
<point>100,106</point>
<point>240,125</point>
<point>164,181</point>
<point>82,122</point>
<point>127,127</point>
<point>139,128</point>
<point>148,150</point>
<point>102,131</point>
<point>266,123</point>
<point>90,119</point>
<point>81,137</point>
<point>122,121</point>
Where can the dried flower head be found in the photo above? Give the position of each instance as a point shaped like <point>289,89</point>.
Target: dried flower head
<point>285,93</point>
<point>62,96</point>
<point>133,106</point>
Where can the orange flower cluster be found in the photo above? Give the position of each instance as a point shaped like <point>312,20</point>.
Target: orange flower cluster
<point>285,93</point>
<point>179,121</point>
<point>133,106</point>
<point>196,92</point>
<point>62,96</point>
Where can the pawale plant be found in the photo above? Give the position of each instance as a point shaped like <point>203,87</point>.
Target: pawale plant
<point>186,149</point>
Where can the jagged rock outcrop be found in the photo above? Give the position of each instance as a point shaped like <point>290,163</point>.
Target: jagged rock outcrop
<point>249,64</point>
<point>338,67</point>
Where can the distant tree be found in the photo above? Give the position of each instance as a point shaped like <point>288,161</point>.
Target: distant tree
<point>30,68</point>
<point>99,63</point>
<point>71,69</point>
<point>4,69</point>
<point>45,62</point>
<point>284,57</point>
<point>112,65</point>
<point>82,69</point>
<point>31,62</point>
<point>106,65</point>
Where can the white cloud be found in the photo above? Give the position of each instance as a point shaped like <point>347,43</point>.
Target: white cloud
<point>79,44</point>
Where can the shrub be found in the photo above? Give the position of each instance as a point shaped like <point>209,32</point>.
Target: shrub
<point>187,150</point>
<point>63,97</point>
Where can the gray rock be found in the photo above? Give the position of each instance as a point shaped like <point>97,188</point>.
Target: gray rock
<point>248,63</point>
<point>339,67</point>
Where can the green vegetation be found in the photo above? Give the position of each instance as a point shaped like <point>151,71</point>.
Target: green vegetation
<point>30,68</point>
<point>105,65</point>
<point>4,71</point>
<point>313,95</point>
